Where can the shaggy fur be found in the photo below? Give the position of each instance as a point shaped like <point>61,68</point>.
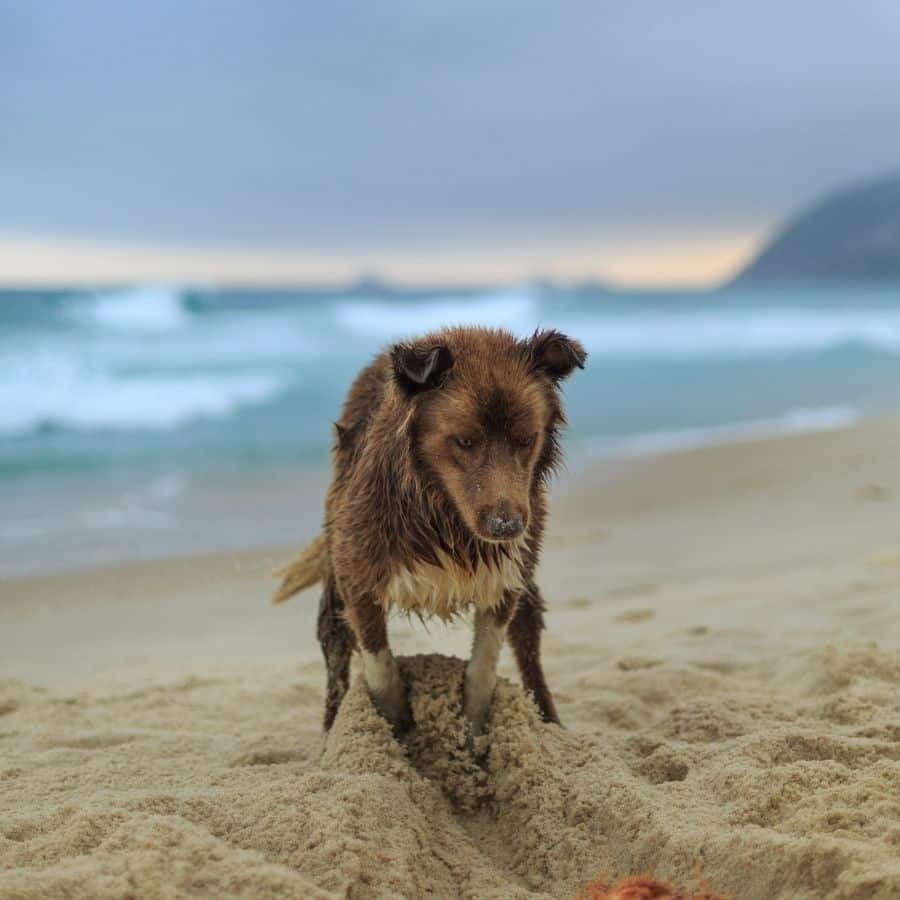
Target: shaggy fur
<point>441,460</point>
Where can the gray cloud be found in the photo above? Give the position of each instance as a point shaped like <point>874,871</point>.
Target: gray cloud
<point>339,125</point>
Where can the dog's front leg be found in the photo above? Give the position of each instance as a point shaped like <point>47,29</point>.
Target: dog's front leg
<point>481,670</point>
<point>382,675</point>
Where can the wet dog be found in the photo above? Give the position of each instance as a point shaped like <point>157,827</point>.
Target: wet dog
<point>438,504</point>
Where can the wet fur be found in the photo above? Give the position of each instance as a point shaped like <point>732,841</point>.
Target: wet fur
<point>404,529</point>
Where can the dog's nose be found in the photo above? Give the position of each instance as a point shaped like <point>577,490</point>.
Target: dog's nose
<point>504,526</point>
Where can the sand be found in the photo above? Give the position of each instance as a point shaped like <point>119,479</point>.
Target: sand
<point>723,644</point>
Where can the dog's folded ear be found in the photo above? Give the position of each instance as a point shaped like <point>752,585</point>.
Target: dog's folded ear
<point>555,353</point>
<point>419,367</point>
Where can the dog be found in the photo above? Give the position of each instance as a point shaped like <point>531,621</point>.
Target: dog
<point>441,461</point>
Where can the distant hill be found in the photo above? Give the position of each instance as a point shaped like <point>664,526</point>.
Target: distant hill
<point>852,234</point>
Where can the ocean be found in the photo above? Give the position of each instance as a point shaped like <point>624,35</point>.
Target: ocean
<point>114,404</point>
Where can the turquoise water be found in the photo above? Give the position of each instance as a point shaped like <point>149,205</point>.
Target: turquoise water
<point>153,378</point>
<point>115,406</point>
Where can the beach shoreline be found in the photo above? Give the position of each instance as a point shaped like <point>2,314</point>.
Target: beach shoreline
<point>669,503</point>
<point>89,520</point>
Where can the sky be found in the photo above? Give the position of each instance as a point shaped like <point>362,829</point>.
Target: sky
<point>638,143</point>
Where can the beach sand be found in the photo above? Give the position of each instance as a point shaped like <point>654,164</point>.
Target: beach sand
<point>723,643</point>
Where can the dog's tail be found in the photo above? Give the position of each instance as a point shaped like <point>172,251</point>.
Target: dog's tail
<point>309,568</point>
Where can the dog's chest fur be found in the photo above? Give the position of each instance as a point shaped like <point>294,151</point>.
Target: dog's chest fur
<point>447,590</point>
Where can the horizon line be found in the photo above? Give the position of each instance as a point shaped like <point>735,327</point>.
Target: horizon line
<point>672,260</point>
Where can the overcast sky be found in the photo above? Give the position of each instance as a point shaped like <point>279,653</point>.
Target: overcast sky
<point>567,135</point>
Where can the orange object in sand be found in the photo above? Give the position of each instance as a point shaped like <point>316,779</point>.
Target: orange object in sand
<point>640,888</point>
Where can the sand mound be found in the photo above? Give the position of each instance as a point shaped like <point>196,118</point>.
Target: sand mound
<point>221,786</point>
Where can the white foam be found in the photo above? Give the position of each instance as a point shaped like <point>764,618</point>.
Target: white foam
<point>149,309</point>
<point>614,331</point>
<point>516,310</point>
<point>166,487</point>
<point>50,390</point>
<point>794,421</point>
<point>736,332</point>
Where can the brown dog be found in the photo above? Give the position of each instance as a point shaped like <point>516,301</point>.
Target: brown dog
<point>441,460</point>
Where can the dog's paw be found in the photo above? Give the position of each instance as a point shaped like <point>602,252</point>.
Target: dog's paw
<point>478,722</point>
<point>394,706</point>
<point>402,720</point>
<point>387,690</point>
<point>477,698</point>
<point>477,740</point>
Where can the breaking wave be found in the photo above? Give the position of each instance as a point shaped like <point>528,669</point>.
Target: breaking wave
<point>142,310</point>
<point>156,358</point>
<point>48,392</point>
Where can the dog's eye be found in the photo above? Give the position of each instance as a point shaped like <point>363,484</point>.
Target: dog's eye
<point>464,443</point>
<point>526,442</point>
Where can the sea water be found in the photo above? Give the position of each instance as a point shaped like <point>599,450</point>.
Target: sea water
<point>153,388</point>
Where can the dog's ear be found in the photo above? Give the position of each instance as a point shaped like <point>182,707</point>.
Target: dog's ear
<point>555,353</point>
<point>420,367</point>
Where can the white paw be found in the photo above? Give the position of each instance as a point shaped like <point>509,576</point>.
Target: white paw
<point>387,690</point>
<point>477,698</point>
<point>394,706</point>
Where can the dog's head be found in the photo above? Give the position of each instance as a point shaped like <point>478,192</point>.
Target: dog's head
<point>484,412</point>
